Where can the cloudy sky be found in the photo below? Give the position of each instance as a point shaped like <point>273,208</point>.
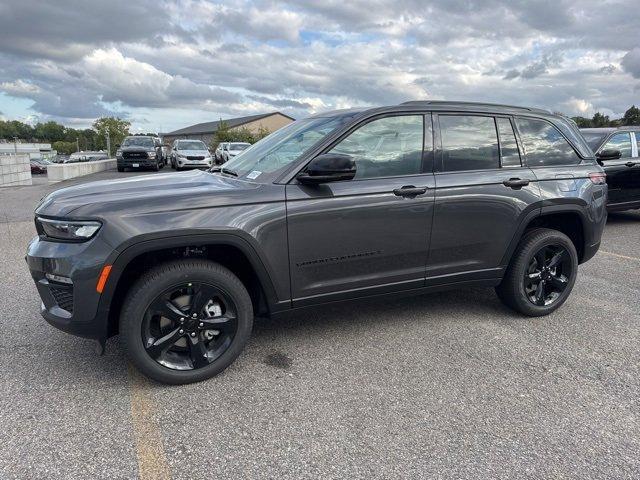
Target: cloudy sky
<point>167,64</point>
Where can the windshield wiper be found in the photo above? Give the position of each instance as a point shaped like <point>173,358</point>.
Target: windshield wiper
<point>229,172</point>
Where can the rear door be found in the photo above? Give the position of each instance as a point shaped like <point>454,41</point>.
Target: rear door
<point>362,236</point>
<point>620,171</point>
<point>482,193</point>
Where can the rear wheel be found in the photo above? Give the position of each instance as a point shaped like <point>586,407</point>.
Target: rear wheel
<point>541,274</point>
<point>186,321</point>
<point>121,169</point>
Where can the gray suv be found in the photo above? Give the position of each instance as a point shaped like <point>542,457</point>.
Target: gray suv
<point>404,199</point>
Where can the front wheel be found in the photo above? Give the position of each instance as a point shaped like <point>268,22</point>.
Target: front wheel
<point>186,321</point>
<point>541,274</point>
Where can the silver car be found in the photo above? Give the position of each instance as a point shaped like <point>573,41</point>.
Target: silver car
<point>190,154</point>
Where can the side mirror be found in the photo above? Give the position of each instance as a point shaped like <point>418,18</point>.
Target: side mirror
<point>329,167</point>
<point>609,154</point>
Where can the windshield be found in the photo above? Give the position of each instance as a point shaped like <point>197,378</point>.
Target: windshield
<point>239,146</point>
<point>265,160</point>
<point>137,142</point>
<point>191,145</point>
<point>593,139</point>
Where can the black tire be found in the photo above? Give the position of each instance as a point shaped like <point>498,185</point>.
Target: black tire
<point>121,169</point>
<point>166,276</point>
<point>156,167</point>
<point>513,291</point>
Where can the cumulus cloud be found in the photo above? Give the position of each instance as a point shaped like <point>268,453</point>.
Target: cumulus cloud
<point>171,61</point>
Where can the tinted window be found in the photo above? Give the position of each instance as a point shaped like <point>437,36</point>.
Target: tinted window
<point>619,141</point>
<point>469,143</point>
<point>387,147</point>
<point>544,144</point>
<point>510,157</point>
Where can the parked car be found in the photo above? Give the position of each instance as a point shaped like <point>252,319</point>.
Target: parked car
<point>218,157</point>
<point>39,165</point>
<point>190,154</point>
<point>618,151</point>
<point>231,149</point>
<point>139,152</point>
<point>405,199</point>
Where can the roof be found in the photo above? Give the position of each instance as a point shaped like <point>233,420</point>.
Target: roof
<point>208,127</point>
<point>610,129</point>
<point>454,104</point>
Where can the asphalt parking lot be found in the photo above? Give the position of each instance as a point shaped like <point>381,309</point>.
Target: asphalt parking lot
<point>449,385</point>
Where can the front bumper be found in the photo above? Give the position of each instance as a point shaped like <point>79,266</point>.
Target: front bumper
<point>187,163</point>
<point>70,308</point>
<point>136,162</point>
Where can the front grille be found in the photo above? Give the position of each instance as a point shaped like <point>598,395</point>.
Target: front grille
<point>63,297</point>
<point>196,157</point>
<point>133,155</point>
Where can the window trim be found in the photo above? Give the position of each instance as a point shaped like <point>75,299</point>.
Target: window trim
<point>361,123</point>
<point>524,150</point>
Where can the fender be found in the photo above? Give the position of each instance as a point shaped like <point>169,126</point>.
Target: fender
<point>543,209</point>
<point>120,258</point>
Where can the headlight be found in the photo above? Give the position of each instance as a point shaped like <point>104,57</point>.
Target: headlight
<point>151,154</point>
<point>118,153</point>
<point>67,230</point>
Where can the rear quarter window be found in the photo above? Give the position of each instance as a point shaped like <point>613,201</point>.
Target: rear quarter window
<point>544,145</point>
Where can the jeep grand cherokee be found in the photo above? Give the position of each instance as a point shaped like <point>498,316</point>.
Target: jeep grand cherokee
<point>403,199</point>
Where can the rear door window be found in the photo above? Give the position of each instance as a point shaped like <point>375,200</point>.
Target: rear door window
<point>619,141</point>
<point>544,145</point>
<point>469,142</point>
<point>509,154</point>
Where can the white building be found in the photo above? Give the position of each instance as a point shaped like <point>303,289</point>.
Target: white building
<point>34,150</point>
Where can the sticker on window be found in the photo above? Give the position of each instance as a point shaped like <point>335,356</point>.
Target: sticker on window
<point>253,175</point>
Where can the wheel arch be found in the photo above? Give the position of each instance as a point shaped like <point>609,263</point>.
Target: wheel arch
<point>570,219</point>
<point>228,249</point>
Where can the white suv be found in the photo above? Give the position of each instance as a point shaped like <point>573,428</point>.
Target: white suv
<point>190,154</point>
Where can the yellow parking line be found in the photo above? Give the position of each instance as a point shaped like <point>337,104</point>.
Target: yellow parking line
<point>620,256</point>
<point>152,462</point>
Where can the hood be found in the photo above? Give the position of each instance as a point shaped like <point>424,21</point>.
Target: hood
<point>136,148</point>
<point>149,193</point>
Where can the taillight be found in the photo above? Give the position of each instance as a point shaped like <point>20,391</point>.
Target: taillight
<point>599,178</point>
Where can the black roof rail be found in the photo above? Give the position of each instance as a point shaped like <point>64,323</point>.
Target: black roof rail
<point>472,104</point>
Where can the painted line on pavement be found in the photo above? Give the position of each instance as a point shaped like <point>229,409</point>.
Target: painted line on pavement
<point>152,461</point>
<point>620,256</point>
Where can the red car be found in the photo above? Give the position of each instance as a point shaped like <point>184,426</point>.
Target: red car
<point>38,166</point>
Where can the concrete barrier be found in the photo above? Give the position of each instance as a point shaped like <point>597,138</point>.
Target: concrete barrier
<point>64,171</point>
<point>15,170</point>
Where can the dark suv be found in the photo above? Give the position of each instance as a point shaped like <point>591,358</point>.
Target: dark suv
<point>140,152</point>
<point>618,151</point>
<point>348,204</point>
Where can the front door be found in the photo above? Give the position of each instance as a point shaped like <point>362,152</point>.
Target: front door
<point>620,172</point>
<point>362,236</point>
<point>482,191</point>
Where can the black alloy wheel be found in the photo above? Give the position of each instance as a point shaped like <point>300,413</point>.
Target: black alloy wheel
<point>547,275</point>
<point>541,274</point>
<point>189,326</point>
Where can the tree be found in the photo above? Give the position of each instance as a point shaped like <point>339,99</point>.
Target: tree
<point>600,120</point>
<point>117,128</point>
<point>64,148</point>
<point>49,131</point>
<point>582,122</point>
<point>631,116</point>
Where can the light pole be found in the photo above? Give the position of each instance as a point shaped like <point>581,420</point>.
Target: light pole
<point>15,144</point>
<point>108,144</point>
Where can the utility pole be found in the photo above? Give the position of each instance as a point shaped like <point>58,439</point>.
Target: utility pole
<point>15,144</point>
<point>108,144</point>
<point>77,145</point>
